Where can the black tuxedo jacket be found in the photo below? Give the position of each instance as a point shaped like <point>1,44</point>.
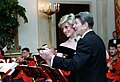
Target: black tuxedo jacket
<point>113,41</point>
<point>89,61</point>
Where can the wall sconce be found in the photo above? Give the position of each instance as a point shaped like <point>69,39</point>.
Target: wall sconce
<point>49,11</point>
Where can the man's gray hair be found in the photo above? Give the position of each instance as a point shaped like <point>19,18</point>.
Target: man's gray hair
<point>86,17</point>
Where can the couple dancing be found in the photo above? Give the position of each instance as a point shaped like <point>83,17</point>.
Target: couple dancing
<point>86,57</point>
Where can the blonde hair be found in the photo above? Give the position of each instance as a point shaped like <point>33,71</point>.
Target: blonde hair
<point>70,18</point>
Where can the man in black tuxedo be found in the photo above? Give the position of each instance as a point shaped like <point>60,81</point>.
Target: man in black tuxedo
<point>89,61</point>
<point>115,39</point>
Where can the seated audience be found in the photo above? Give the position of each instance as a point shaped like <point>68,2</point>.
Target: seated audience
<point>112,59</point>
<point>118,47</point>
<point>114,72</point>
<point>2,60</point>
<point>1,53</point>
<point>25,59</point>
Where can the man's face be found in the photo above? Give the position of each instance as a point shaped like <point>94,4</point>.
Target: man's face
<point>112,51</point>
<point>114,35</point>
<point>79,27</point>
<point>25,53</point>
<point>118,47</point>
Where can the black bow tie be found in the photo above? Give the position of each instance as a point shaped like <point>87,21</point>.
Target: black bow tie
<point>75,40</point>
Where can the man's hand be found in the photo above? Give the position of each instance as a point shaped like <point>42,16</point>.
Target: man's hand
<point>46,54</point>
<point>19,59</point>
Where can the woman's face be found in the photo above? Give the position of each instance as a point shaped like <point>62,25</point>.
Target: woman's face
<point>67,29</point>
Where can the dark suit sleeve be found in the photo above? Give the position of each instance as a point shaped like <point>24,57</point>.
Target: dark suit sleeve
<point>68,52</point>
<point>79,59</point>
<point>110,41</point>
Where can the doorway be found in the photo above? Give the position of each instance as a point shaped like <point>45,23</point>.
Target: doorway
<point>67,9</point>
